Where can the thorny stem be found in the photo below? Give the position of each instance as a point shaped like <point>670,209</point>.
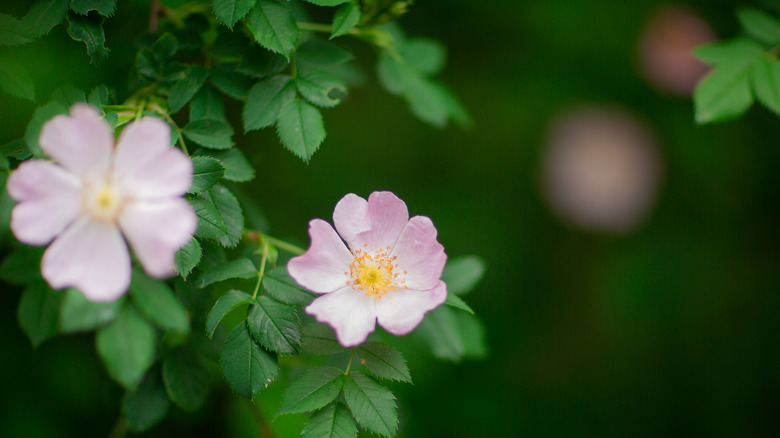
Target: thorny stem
<point>260,274</point>
<point>349,365</point>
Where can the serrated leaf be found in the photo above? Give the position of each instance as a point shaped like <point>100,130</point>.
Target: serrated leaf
<point>90,32</point>
<point>224,305</point>
<point>38,312</point>
<point>22,265</point>
<point>313,390</point>
<point>320,339</point>
<point>206,172</point>
<point>207,104</point>
<point>766,83</point>
<point>275,326</point>
<point>735,51</point>
<point>237,166</point>
<point>79,314</point>
<point>226,79</point>
<point>346,18</point>
<point>282,287</point>
<point>723,94</point>
<point>327,2</point>
<point>264,101</point>
<point>210,222</point>
<point>127,347</point>
<point>68,95</point>
<point>184,90</point>
<point>41,115</point>
<point>232,215</point>
<point>300,128</point>
<point>333,421</point>
<point>44,15</point>
<point>186,378</point>
<point>463,273</point>
<point>241,268</point>
<point>13,32</point>
<point>157,301</point>
<point>372,405</point>
<point>230,11</point>
<point>316,86</point>
<point>456,302</point>
<point>274,27</point>
<point>99,96</point>
<point>384,361</point>
<point>105,8</point>
<point>759,25</point>
<point>246,366</point>
<point>210,133</point>
<point>148,404</point>
<point>187,257</point>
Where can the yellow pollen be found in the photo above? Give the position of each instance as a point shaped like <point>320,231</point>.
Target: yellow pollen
<point>373,273</point>
<point>106,198</point>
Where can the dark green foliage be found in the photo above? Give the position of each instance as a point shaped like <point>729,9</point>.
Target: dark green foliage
<point>313,390</point>
<point>246,366</point>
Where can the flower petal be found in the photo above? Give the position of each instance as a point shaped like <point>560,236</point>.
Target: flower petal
<point>323,267</point>
<point>420,254</point>
<point>90,256</point>
<point>156,230</point>
<point>49,198</point>
<point>147,162</point>
<point>82,142</point>
<point>399,312</point>
<point>350,312</point>
<point>376,223</point>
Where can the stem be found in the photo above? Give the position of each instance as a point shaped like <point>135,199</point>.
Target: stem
<point>260,274</point>
<point>178,132</point>
<point>120,428</point>
<point>263,428</point>
<point>315,27</point>
<point>154,15</point>
<point>349,365</point>
<point>281,244</point>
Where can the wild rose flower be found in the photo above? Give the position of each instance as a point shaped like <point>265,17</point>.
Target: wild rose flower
<point>93,198</point>
<point>388,272</point>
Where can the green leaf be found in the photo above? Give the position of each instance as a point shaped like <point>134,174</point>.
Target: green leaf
<point>384,361</point>
<point>211,133</point>
<point>90,32</point>
<point>68,95</point>
<point>246,366</point>
<point>372,405</point>
<point>264,101</point>
<point>184,90</point>
<point>455,301</point>
<point>334,421</point>
<point>22,265</point>
<point>427,56</point>
<point>105,8</point>
<point>44,15</point>
<point>723,94</point>
<point>13,32</point>
<point>274,27</point>
<point>157,301</point>
<point>186,378</point>
<point>313,390</point>
<point>206,172</point>
<point>231,213</point>
<point>147,405</point>
<point>207,104</point>
<point>231,83</point>
<point>320,53</point>
<point>282,287</point>
<point>127,347</point>
<point>38,311</point>
<point>41,115</point>
<point>301,129</point>
<point>224,305</point>
<point>327,2</point>
<point>452,334</point>
<point>16,149</point>
<point>99,96</point>
<point>766,83</point>
<point>759,25</point>
<point>241,268</point>
<point>237,166</point>
<point>230,11</point>
<point>316,87</point>
<point>345,19</point>
<point>187,257</point>
<point>320,339</point>
<point>78,314</point>
<point>210,222</point>
<point>275,326</point>
<point>463,273</point>
<point>735,51</point>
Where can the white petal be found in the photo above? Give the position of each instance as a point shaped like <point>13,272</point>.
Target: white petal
<point>325,265</point>
<point>420,254</point>
<point>49,198</point>
<point>145,159</point>
<point>350,312</point>
<point>156,230</point>
<point>370,225</point>
<point>82,142</point>
<point>399,312</point>
<point>90,256</point>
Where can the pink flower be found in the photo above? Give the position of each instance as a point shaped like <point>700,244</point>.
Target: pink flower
<point>390,272</point>
<point>94,197</point>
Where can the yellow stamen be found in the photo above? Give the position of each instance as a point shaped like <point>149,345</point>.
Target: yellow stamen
<point>373,273</point>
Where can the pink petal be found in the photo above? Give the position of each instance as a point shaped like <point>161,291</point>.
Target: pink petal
<point>376,223</point>
<point>324,266</point>
<point>49,198</point>
<point>350,312</point>
<point>82,142</point>
<point>90,256</point>
<point>156,230</point>
<point>399,312</point>
<point>145,159</point>
<point>420,254</point>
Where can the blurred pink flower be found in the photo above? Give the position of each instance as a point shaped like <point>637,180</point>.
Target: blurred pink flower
<point>93,197</point>
<point>390,272</point>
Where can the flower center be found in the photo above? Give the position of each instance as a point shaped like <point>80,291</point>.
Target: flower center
<point>103,202</point>
<point>374,274</point>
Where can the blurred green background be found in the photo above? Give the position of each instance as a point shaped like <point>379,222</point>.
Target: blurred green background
<point>668,329</point>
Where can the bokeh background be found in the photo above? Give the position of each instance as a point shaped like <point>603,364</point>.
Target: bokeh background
<point>665,324</point>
